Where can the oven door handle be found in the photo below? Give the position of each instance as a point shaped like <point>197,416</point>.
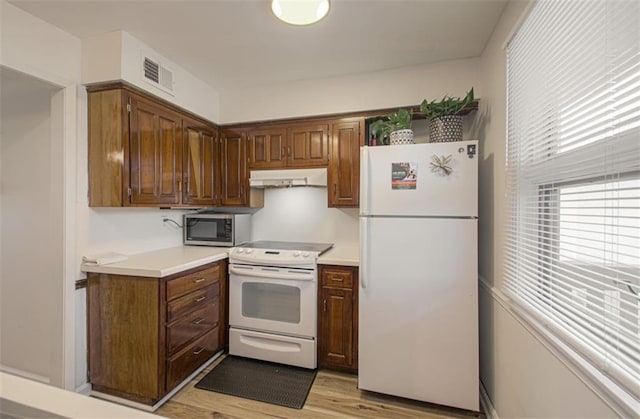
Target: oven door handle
<point>279,274</point>
<point>301,261</point>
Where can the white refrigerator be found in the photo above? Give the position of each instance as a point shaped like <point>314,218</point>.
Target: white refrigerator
<point>418,297</point>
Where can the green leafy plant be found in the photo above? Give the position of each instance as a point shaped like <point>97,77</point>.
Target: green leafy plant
<point>446,106</point>
<point>394,122</point>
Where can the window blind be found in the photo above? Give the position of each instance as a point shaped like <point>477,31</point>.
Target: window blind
<point>573,179</point>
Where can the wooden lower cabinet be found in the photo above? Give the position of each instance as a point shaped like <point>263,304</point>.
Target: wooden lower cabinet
<point>146,335</point>
<point>338,318</point>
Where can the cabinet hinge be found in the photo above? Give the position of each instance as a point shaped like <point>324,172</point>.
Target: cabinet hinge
<point>328,157</point>
<point>128,107</point>
<point>129,191</point>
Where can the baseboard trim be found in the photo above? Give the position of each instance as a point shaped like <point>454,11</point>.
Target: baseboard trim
<point>25,374</point>
<point>162,401</point>
<point>486,404</point>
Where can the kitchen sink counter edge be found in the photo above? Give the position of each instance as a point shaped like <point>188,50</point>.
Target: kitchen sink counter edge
<point>163,262</point>
<point>346,254</point>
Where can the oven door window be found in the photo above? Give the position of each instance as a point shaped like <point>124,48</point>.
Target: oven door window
<point>271,302</point>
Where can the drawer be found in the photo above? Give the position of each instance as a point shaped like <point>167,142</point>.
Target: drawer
<point>194,301</point>
<point>188,283</point>
<point>192,325</point>
<point>182,364</point>
<point>339,279</point>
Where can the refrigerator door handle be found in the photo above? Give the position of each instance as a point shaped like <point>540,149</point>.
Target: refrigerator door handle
<point>364,250</point>
<point>364,181</point>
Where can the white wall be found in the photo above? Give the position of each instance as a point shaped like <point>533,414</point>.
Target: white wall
<point>301,214</point>
<point>34,47</point>
<point>366,91</point>
<point>37,49</point>
<point>522,377</point>
<point>119,56</point>
<point>31,254</point>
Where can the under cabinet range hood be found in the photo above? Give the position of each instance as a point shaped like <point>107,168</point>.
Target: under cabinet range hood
<point>288,178</point>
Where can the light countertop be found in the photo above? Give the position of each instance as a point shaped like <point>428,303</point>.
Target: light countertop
<point>161,263</point>
<point>28,398</point>
<point>165,262</point>
<point>341,254</point>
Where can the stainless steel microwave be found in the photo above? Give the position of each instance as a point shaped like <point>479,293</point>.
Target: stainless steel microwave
<point>207,229</point>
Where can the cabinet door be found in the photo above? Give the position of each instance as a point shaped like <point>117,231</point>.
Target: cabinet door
<point>108,126</point>
<point>154,153</point>
<point>338,318</point>
<point>267,148</point>
<point>344,167</point>
<point>336,335</point>
<point>200,166</point>
<point>307,145</point>
<point>234,168</point>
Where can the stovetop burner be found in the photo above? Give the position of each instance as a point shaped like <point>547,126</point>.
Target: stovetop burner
<point>278,245</point>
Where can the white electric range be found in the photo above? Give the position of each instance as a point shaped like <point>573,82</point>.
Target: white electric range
<point>273,301</point>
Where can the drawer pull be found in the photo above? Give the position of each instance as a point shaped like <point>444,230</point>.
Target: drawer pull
<point>197,281</point>
<point>337,279</point>
<point>198,321</point>
<point>197,351</point>
<point>197,300</point>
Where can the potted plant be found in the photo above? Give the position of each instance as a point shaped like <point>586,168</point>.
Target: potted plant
<point>445,123</point>
<point>397,127</point>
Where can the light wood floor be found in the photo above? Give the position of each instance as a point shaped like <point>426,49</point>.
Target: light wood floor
<point>333,395</point>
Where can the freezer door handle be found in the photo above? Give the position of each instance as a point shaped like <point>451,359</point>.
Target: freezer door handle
<point>364,248</point>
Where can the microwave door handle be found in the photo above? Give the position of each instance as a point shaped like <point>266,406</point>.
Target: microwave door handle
<point>279,274</point>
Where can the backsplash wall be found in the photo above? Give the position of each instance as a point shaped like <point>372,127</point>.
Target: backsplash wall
<point>301,214</point>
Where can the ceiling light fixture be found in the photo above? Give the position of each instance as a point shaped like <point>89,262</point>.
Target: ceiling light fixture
<point>300,12</point>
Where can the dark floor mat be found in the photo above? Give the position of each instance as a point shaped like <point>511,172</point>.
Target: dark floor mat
<point>279,384</point>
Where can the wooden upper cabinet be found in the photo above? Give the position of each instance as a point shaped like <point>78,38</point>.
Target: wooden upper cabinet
<point>143,152</point>
<point>201,164</point>
<point>343,176</point>
<point>307,145</point>
<point>155,153</point>
<point>293,146</point>
<point>267,148</point>
<point>234,168</point>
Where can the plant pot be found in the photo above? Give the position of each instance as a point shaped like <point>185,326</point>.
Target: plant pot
<point>403,136</point>
<point>446,128</point>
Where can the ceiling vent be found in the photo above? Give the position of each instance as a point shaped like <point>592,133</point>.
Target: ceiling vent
<point>157,75</point>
